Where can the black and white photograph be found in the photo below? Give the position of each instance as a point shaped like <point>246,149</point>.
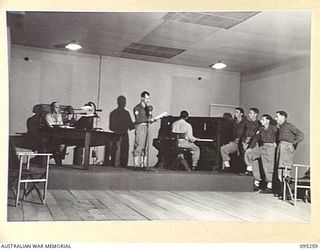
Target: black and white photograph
<point>159,116</point>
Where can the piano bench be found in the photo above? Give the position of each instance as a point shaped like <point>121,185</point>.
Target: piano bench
<point>180,159</point>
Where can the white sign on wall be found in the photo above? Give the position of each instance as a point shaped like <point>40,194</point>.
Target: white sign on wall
<point>217,110</point>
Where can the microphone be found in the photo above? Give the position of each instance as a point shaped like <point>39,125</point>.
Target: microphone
<point>149,110</point>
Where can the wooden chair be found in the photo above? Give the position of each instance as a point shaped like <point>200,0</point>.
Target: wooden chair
<point>180,154</point>
<point>303,183</point>
<point>286,183</point>
<point>292,184</point>
<point>21,171</point>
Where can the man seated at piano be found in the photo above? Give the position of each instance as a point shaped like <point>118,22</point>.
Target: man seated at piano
<point>186,140</point>
<point>54,146</point>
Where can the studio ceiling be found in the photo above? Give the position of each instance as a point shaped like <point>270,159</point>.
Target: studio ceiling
<point>245,41</point>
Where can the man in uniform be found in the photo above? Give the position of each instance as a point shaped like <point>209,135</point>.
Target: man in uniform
<point>183,127</point>
<point>238,131</point>
<point>266,137</point>
<point>143,116</point>
<point>289,137</point>
<point>251,129</point>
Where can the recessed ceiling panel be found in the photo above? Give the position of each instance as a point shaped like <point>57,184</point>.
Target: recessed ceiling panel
<point>176,34</point>
<point>212,19</point>
<point>141,57</point>
<point>243,15</point>
<point>150,50</point>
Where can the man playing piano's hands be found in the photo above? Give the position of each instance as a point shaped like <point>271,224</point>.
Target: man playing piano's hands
<point>183,127</point>
<point>52,119</point>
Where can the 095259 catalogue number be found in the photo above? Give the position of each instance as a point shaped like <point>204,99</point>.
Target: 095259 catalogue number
<point>308,246</point>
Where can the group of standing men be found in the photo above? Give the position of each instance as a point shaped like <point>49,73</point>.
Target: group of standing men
<point>274,144</point>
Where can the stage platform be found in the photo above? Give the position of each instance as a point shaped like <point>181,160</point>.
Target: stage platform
<point>111,178</point>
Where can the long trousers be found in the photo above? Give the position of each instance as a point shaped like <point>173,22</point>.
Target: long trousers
<point>267,155</point>
<point>228,149</point>
<point>194,149</point>
<point>285,153</point>
<point>141,140</point>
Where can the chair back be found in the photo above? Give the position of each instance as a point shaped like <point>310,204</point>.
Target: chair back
<point>13,158</point>
<point>22,171</point>
<point>301,170</point>
<point>42,109</point>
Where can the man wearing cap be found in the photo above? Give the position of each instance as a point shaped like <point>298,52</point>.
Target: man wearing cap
<point>266,137</point>
<point>143,116</point>
<point>238,131</point>
<point>289,137</point>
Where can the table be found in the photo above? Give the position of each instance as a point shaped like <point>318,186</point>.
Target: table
<point>73,137</point>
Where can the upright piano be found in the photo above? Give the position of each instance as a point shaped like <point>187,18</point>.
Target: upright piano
<point>219,130</point>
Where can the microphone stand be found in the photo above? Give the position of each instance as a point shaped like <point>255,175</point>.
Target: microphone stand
<point>147,150</point>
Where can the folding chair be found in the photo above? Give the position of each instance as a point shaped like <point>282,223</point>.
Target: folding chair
<point>28,173</point>
<point>293,184</point>
<point>286,181</point>
<point>301,182</point>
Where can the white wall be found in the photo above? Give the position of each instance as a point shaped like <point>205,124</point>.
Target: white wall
<point>131,77</point>
<point>197,95</point>
<point>73,79</point>
<point>286,87</point>
<point>47,77</point>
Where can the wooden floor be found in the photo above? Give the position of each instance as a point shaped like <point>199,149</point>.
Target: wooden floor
<point>102,205</point>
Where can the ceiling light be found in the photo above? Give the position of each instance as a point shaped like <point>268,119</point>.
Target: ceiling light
<point>218,65</point>
<point>73,46</point>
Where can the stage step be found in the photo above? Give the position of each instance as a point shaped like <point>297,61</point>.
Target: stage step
<point>110,178</point>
